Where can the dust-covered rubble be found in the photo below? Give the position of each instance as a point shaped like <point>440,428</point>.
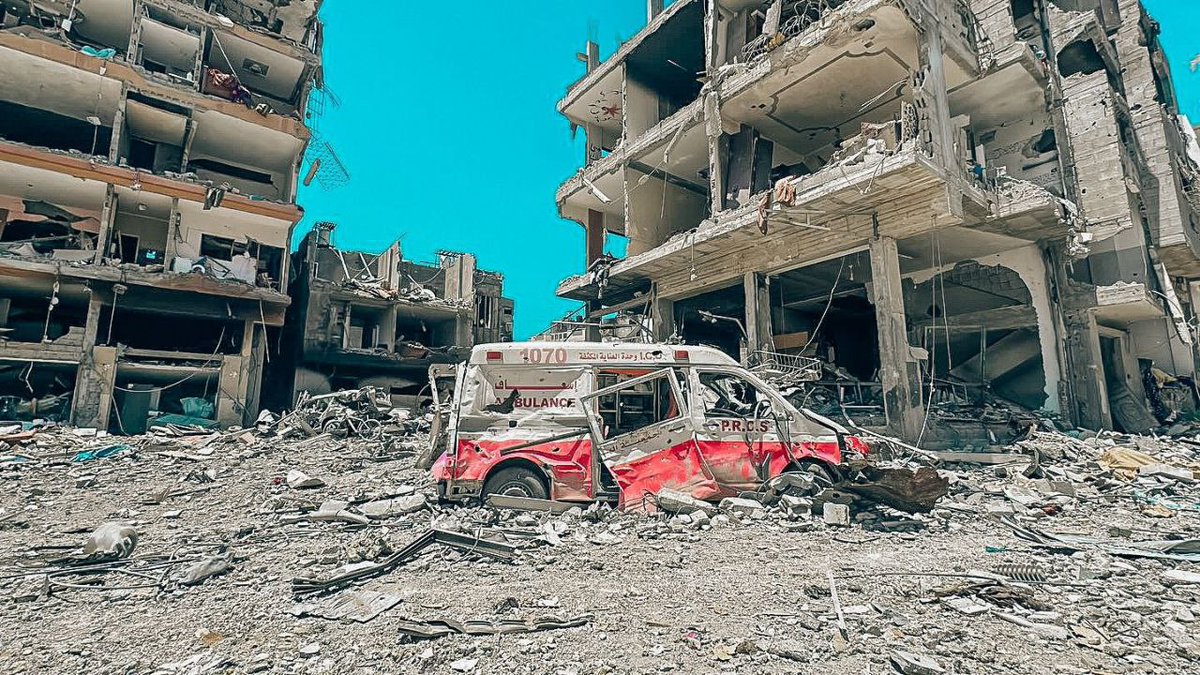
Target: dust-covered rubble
<point>180,552</point>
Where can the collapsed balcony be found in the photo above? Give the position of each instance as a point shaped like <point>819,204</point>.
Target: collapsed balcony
<point>827,212</point>
<point>651,78</point>
<point>762,37</point>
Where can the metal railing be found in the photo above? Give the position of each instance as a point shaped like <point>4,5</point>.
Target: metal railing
<point>784,369</point>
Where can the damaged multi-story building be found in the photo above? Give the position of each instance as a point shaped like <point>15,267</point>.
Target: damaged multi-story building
<point>940,200</point>
<point>149,164</point>
<point>361,319</point>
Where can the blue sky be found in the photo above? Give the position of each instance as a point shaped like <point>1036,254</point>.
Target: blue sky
<point>448,127</point>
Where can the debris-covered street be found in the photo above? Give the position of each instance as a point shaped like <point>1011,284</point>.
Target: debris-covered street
<point>1051,557</point>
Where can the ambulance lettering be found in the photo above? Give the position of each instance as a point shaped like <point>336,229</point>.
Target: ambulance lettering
<point>746,426</point>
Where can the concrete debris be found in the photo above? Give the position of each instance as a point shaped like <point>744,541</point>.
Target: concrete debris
<point>298,480</point>
<point>1178,577</point>
<point>909,663</point>
<point>436,628</point>
<point>236,529</point>
<point>746,508</point>
<point>209,567</point>
<point>674,501</point>
<point>901,488</point>
<point>836,514</point>
<point>110,541</point>
<point>358,605</point>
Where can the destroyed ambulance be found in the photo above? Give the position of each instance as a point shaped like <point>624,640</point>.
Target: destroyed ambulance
<point>582,422</point>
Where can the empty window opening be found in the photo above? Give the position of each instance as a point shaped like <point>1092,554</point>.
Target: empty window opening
<point>31,391</point>
<point>220,248</point>
<point>242,179</point>
<point>1080,57</point>
<point>163,393</point>
<point>269,258</point>
<point>230,170</point>
<point>45,228</point>
<point>21,124</point>
<point>638,405</point>
<point>715,319</point>
<point>127,247</point>
<point>1021,9</point>
<point>140,329</point>
<point>426,332</point>
<point>26,319</point>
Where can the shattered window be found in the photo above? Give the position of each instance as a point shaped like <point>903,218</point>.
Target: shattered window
<point>728,395</point>
<point>639,405</point>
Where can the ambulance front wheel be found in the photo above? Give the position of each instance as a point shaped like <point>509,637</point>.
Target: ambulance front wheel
<point>516,481</point>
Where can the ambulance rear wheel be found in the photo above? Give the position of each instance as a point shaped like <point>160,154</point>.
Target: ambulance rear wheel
<point>516,481</point>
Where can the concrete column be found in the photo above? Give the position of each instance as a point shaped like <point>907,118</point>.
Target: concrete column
<point>118,128</point>
<point>899,369</point>
<point>718,151</point>
<point>230,408</point>
<point>758,311</point>
<point>934,89</point>
<point>135,33</point>
<point>387,329</point>
<point>1083,390</point>
<point>198,67</point>
<point>173,234</point>
<point>933,105</point>
<point>249,370</point>
<point>594,233</point>
<point>107,215</point>
<point>662,317</point>
<point>464,329</point>
<point>92,398</point>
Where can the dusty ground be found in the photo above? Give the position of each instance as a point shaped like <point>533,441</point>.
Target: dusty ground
<point>736,597</point>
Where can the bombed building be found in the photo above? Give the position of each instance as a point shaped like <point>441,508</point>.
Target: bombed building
<point>360,319</point>
<point>149,161</point>
<point>937,202</point>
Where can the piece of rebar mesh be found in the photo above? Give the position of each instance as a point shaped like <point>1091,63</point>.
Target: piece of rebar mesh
<point>330,172</point>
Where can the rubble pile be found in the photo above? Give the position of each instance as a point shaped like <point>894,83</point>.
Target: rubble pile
<point>304,546</point>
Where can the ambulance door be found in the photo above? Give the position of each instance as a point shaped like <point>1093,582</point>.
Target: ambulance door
<point>645,435</point>
<point>739,428</point>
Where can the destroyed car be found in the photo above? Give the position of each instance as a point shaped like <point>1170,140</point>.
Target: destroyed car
<point>582,422</point>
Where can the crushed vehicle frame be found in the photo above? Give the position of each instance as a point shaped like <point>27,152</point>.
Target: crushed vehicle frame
<point>525,419</point>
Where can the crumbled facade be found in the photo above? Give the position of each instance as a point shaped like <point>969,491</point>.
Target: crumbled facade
<point>938,199</point>
<point>360,319</point>
<point>149,164</point>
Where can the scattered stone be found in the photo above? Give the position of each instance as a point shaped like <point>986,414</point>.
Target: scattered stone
<point>298,480</point>
<point>111,541</point>
<point>910,663</point>
<point>741,507</point>
<point>1180,577</point>
<point>674,501</point>
<point>837,515</point>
